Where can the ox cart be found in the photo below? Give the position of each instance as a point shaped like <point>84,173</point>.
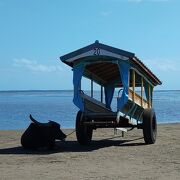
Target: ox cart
<point>121,75</point>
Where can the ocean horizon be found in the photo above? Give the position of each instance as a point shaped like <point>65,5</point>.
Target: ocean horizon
<point>57,105</point>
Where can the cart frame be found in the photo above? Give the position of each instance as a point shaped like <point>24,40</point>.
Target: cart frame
<point>112,68</point>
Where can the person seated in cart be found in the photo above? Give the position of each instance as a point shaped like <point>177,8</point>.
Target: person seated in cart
<point>112,68</point>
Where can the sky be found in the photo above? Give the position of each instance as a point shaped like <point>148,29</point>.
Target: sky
<point>34,34</point>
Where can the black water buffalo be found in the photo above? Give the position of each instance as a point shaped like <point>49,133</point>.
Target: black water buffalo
<point>39,135</point>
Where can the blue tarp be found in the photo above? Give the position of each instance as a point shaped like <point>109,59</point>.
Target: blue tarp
<point>77,76</point>
<point>124,74</point>
<point>109,92</point>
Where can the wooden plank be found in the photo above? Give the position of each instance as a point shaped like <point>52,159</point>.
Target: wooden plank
<point>149,100</point>
<point>137,99</point>
<point>133,78</point>
<point>101,94</point>
<point>91,88</point>
<point>142,85</point>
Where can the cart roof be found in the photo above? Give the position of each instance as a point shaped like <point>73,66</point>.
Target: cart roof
<point>98,52</point>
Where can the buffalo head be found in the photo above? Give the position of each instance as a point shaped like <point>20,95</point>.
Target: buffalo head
<point>54,126</point>
<point>41,134</point>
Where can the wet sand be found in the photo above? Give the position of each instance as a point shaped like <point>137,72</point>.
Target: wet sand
<point>108,157</point>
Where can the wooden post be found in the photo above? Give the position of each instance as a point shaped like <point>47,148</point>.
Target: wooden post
<point>92,88</point>
<point>102,94</point>
<point>133,79</point>
<point>142,85</point>
<point>149,91</point>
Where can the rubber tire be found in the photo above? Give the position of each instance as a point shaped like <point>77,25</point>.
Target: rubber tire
<point>149,126</point>
<point>83,133</point>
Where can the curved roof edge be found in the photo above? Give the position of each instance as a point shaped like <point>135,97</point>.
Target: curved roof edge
<point>93,47</point>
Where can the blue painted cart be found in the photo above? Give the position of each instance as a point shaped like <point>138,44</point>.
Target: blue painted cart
<point>119,73</point>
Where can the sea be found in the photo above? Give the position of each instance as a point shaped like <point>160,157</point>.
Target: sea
<point>16,106</point>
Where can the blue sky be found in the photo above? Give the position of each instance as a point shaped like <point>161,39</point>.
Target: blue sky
<point>34,34</point>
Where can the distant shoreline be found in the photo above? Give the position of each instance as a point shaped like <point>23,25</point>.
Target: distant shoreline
<point>65,90</point>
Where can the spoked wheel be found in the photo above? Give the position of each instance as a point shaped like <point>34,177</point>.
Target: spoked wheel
<point>83,133</point>
<point>149,126</point>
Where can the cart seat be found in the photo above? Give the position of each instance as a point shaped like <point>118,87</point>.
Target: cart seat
<point>93,105</point>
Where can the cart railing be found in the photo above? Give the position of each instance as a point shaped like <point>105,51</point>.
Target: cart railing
<point>138,99</point>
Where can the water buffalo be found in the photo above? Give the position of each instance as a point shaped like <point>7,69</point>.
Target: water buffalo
<point>39,135</point>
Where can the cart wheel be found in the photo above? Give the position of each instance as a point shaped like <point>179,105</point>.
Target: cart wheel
<point>149,126</point>
<point>83,133</point>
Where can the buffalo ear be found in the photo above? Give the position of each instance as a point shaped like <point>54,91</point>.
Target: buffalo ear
<point>53,123</point>
<point>50,123</point>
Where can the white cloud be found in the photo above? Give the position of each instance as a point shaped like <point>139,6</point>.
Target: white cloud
<point>164,65</point>
<point>137,1</point>
<point>106,13</point>
<point>35,66</point>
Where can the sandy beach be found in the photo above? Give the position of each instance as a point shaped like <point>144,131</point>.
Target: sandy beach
<point>108,157</point>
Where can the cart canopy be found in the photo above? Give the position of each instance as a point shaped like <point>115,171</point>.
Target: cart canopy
<point>107,66</point>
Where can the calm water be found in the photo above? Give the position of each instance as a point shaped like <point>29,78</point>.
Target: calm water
<point>15,107</point>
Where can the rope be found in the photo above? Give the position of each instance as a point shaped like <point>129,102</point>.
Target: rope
<point>70,133</point>
<point>130,129</point>
<point>114,131</point>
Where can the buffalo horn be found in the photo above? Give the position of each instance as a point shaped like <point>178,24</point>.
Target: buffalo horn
<point>38,123</point>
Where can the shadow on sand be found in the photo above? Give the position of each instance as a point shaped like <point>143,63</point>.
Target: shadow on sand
<point>73,146</point>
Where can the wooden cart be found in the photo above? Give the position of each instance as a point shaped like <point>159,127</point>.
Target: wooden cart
<point>117,72</point>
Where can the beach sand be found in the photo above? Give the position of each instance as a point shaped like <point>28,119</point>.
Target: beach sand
<point>108,157</point>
